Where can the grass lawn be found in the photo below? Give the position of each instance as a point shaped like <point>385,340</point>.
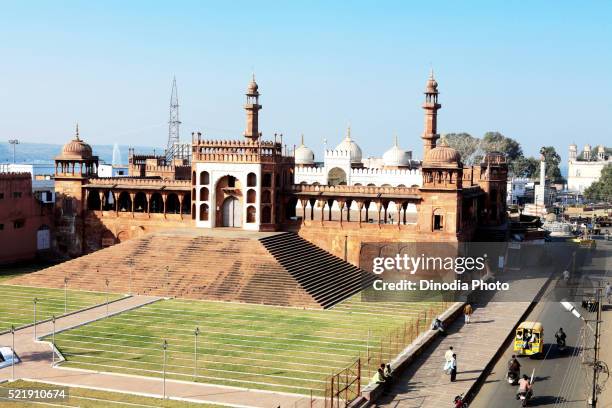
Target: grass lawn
<point>85,398</point>
<point>17,306</point>
<point>266,347</point>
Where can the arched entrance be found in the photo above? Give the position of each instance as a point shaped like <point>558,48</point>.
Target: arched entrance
<point>336,176</point>
<point>232,212</point>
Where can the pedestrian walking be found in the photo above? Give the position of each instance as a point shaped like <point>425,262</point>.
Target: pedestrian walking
<point>608,292</point>
<point>448,358</point>
<point>453,368</point>
<point>467,312</point>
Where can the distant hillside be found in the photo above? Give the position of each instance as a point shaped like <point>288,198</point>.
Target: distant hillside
<point>45,152</point>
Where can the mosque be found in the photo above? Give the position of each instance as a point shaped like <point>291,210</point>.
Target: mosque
<point>254,184</point>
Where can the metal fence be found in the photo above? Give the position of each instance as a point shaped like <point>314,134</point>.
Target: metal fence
<point>346,385</point>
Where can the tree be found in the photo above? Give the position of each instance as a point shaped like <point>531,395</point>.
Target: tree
<point>602,188</point>
<point>496,142</point>
<point>467,146</point>
<point>524,167</point>
<point>552,160</point>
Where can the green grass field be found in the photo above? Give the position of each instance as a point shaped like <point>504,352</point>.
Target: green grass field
<point>243,345</point>
<point>17,306</point>
<point>85,398</point>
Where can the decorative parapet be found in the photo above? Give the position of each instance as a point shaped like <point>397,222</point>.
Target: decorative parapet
<point>354,190</point>
<point>136,181</point>
<point>239,151</point>
<point>15,175</point>
<point>385,172</point>
<point>337,153</point>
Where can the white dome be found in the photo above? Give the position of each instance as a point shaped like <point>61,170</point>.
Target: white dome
<point>349,145</point>
<point>396,157</point>
<point>304,155</point>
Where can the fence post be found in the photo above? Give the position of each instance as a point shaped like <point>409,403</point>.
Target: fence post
<point>358,376</point>
<point>338,390</point>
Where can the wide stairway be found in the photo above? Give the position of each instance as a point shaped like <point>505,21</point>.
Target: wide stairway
<point>326,277</point>
<point>279,269</point>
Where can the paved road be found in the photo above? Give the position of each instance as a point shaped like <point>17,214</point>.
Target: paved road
<point>562,379</point>
<point>559,376</point>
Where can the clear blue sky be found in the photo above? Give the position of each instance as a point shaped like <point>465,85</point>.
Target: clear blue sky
<point>536,71</point>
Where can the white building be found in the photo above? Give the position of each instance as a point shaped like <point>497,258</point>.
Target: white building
<point>516,190</point>
<point>344,165</point>
<point>112,170</point>
<point>43,185</point>
<point>584,170</point>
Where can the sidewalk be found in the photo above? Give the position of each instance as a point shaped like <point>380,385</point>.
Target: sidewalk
<point>36,359</point>
<point>424,384</point>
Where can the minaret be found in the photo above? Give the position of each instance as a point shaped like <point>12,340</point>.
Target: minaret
<point>252,108</point>
<point>573,152</point>
<point>431,106</point>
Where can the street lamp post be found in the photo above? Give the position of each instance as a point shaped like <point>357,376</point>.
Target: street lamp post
<point>35,301</point>
<point>65,295</point>
<point>53,341</point>
<point>168,280</point>
<point>165,347</point>
<point>131,279</point>
<point>195,353</point>
<point>14,142</point>
<point>13,361</point>
<point>107,283</point>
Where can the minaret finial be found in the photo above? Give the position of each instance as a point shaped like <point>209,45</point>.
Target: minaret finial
<point>77,131</point>
<point>431,71</point>
<point>396,141</point>
<point>348,131</point>
<point>302,139</point>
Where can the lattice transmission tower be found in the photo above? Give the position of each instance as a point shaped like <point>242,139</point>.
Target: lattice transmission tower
<point>174,150</point>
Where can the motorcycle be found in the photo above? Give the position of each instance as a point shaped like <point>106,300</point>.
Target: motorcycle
<point>560,343</point>
<point>512,377</point>
<point>459,403</point>
<point>524,397</point>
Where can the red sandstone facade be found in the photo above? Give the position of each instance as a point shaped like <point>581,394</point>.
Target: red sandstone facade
<point>24,220</point>
<point>249,184</point>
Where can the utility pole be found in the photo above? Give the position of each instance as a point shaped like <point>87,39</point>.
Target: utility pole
<point>35,301</point>
<point>53,348</point>
<point>65,295</point>
<point>14,142</point>
<point>596,363</point>
<point>195,354</point>
<point>13,361</point>
<point>165,347</point>
<point>107,283</point>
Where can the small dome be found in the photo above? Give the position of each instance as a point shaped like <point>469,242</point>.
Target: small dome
<point>304,155</point>
<point>601,149</point>
<point>573,146</point>
<point>432,84</point>
<point>253,88</point>
<point>396,157</point>
<point>76,148</point>
<point>587,147</point>
<point>349,145</point>
<point>442,156</point>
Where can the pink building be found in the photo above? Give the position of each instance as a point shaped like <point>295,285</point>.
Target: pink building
<point>24,221</point>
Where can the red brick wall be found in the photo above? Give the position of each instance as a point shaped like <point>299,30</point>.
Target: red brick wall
<point>18,205</point>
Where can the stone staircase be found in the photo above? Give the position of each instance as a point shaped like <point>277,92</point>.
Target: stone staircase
<point>281,269</point>
<point>326,277</point>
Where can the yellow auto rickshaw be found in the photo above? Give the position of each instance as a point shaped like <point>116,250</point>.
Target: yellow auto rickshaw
<point>529,339</point>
